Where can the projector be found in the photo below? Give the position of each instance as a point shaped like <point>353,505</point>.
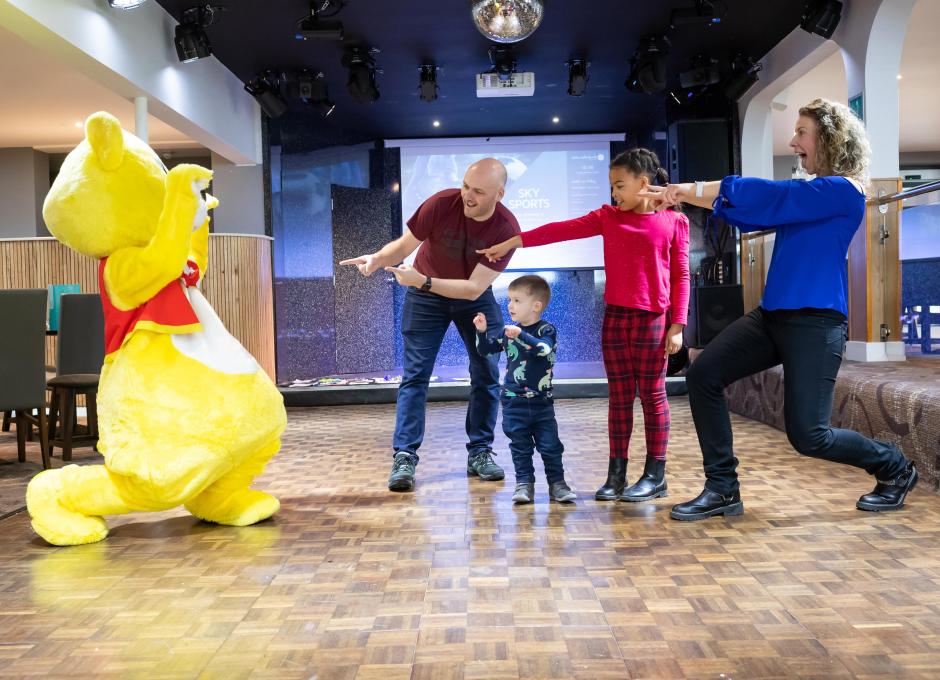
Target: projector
<point>311,28</point>
<point>494,84</point>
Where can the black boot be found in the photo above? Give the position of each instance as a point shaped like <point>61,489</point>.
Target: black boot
<point>652,484</point>
<point>616,480</point>
<point>889,495</point>
<point>708,503</point>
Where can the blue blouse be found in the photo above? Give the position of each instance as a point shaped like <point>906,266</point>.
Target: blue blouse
<point>815,221</point>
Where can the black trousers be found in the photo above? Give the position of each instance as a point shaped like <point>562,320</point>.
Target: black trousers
<point>809,343</point>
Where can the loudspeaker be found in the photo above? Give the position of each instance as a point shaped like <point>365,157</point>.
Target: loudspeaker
<point>699,150</point>
<point>711,309</point>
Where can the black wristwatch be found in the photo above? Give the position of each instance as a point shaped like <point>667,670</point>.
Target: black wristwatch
<point>427,284</point>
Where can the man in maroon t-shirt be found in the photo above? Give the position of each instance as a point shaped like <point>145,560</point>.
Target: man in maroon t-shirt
<point>448,283</point>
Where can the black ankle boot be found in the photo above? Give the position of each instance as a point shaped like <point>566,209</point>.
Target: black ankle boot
<point>889,495</point>
<point>707,504</point>
<point>616,480</point>
<point>652,484</point>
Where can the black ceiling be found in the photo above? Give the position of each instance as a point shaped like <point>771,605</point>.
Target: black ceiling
<point>252,36</point>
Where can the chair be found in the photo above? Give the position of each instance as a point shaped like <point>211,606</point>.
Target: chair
<point>22,365</point>
<point>79,355</point>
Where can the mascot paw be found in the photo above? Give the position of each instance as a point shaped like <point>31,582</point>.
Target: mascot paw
<point>54,523</point>
<point>239,509</point>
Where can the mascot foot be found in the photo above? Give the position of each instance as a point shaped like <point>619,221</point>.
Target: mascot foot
<point>238,509</point>
<point>54,523</point>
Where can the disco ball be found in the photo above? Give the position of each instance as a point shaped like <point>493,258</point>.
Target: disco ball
<point>507,21</point>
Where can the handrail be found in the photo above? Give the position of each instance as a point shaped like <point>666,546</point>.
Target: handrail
<point>906,193</point>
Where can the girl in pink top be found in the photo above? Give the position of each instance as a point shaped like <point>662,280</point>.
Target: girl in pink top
<point>646,258</point>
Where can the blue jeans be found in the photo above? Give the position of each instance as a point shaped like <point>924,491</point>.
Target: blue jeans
<point>530,424</point>
<point>809,344</point>
<point>424,320</point>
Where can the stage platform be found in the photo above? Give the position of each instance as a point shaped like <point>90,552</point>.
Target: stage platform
<point>891,401</point>
<point>573,380</point>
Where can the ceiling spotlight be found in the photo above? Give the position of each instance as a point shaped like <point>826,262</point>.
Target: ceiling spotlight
<point>648,65</point>
<point>436,123</point>
<point>266,89</point>
<point>507,21</point>
<point>126,4</point>
<point>577,76</point>
<point>427,85</point>
<point>361,81</point>
<point>821,17</point>
<point>313,26</point>
<point>704,72</point>
<point>190,38</point>
<point>310,87</point>
<point>702,14</point>
<point>556,119</point>
<point>743,76</point>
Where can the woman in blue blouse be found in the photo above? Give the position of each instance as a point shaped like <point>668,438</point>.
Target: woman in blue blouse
<point>801,321</point>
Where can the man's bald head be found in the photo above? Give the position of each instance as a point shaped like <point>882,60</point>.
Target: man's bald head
<point>483,187</point>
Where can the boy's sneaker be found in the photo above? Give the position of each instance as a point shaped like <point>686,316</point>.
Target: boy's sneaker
<point>525,493</point>
<point>559,492</point>
<point>483,466</point>
<point>402,477</point>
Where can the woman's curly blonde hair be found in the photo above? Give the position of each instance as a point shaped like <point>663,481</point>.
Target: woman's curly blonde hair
<point>842,146</point>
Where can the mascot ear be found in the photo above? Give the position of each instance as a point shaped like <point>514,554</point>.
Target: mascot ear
<point>106,138</point>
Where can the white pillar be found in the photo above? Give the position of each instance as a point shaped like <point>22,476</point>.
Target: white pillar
<point>871,36</point>
<point>140,119</point>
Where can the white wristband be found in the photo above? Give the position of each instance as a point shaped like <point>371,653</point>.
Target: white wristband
<point>699,189</point>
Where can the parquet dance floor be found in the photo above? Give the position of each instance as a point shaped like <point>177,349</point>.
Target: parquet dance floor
<point>351,581</point>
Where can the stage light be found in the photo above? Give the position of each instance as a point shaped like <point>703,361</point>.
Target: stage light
<point>743,76</point>
<point>436,123</point>
<point>361,80</point>
<point>126,4</point>
<point>190,37</point>
<point>313,26</point>
<point>266,89</point>
<point>821,17</point>
<point>310,87</point>
<point>703,14</point>
<point>507,21</point>
<point>577,76</point>
<point>503,59</point>
<point>556,119</point>
<point>427,83</point>
<point>648,65</point>
<point>703,71</point>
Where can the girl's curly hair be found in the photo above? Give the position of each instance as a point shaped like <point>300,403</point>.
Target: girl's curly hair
<point>842,146</point>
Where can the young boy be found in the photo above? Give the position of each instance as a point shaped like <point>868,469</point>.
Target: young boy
<point>528,406</point>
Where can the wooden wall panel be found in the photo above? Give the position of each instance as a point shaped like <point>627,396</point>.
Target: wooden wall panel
<point>239,283</point>
<point>752,269</point>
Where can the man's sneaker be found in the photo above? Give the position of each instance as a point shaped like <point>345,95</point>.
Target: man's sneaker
<point>483,466</point>
<point>890,494</point>
<point>403,472</point>
<point>525,493</point>
<point>560,493</point>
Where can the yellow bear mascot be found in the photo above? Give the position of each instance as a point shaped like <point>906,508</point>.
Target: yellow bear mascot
<point>186,415</point>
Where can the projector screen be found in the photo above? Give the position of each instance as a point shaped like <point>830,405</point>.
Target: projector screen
<point>550,179</point>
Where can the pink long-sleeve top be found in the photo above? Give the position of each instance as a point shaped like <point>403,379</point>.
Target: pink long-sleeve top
<point>646,256</point>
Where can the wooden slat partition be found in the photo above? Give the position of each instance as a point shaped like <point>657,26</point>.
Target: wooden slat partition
<point>752,269</point>
<point>239,283</point>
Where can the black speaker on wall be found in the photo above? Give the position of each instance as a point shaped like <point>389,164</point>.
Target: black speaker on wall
<point>711,309</point>
<point>699,149</point>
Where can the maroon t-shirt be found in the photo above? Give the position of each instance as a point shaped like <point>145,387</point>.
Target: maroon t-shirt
<point>450,239</point>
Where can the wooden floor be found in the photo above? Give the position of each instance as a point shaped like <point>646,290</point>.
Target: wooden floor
<point>351,581</point>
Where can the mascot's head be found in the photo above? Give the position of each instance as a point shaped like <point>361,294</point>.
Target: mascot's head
<point>108,194</point>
